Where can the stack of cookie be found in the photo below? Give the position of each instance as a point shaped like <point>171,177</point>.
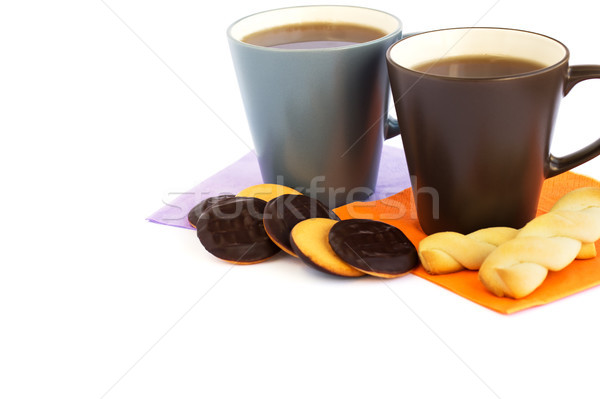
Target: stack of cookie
<point>261,220</point>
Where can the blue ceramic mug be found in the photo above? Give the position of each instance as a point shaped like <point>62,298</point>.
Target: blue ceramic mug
<point>318,113</point>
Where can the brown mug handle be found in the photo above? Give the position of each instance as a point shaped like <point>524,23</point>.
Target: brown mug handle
<point>558,165</point>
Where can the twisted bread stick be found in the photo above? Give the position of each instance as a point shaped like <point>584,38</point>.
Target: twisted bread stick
<point>449,252</point>
<point>549,242</point>
<point>579,200</point>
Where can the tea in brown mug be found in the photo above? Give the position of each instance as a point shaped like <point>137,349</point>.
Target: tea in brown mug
<point>311,35</point>
<point>478,66</point>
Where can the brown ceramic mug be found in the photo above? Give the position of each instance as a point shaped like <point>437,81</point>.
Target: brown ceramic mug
<point>477,140</point>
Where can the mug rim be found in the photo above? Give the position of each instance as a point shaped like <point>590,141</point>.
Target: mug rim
<point>539,71</point>
<point>397,30</point>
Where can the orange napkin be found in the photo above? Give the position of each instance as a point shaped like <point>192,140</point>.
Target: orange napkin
<point>399,210</point>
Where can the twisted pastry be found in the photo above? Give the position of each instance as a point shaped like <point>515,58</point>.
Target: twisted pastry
<point>449,252</point>
<point>549,242</point>
<point>579,200</point>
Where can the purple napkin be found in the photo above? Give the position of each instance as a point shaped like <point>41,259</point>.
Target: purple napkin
<point>393,178</point>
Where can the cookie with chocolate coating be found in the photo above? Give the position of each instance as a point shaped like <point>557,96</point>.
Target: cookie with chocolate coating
<point>284,212</point>
<point>310,241</point>
<point>373,247</point>
<point>195,213</point>
<point>233,230</point>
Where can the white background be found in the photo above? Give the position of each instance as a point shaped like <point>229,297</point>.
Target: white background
<point>107,108</point>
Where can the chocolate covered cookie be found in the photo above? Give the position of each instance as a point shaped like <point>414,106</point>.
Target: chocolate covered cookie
<point>195,212</point>
<point>284,212</point>
<point>373,247</point>
<point>232,230</point>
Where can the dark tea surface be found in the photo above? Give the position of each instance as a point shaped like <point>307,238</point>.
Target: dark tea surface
<point>313,35</point>
<point>478,66</point>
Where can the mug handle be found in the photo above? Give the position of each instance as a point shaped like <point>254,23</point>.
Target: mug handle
<point>391,128</point>
<point>558,165</point>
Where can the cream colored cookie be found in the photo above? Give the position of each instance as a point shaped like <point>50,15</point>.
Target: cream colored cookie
<point>310,241</point>
<point>267,191</point>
